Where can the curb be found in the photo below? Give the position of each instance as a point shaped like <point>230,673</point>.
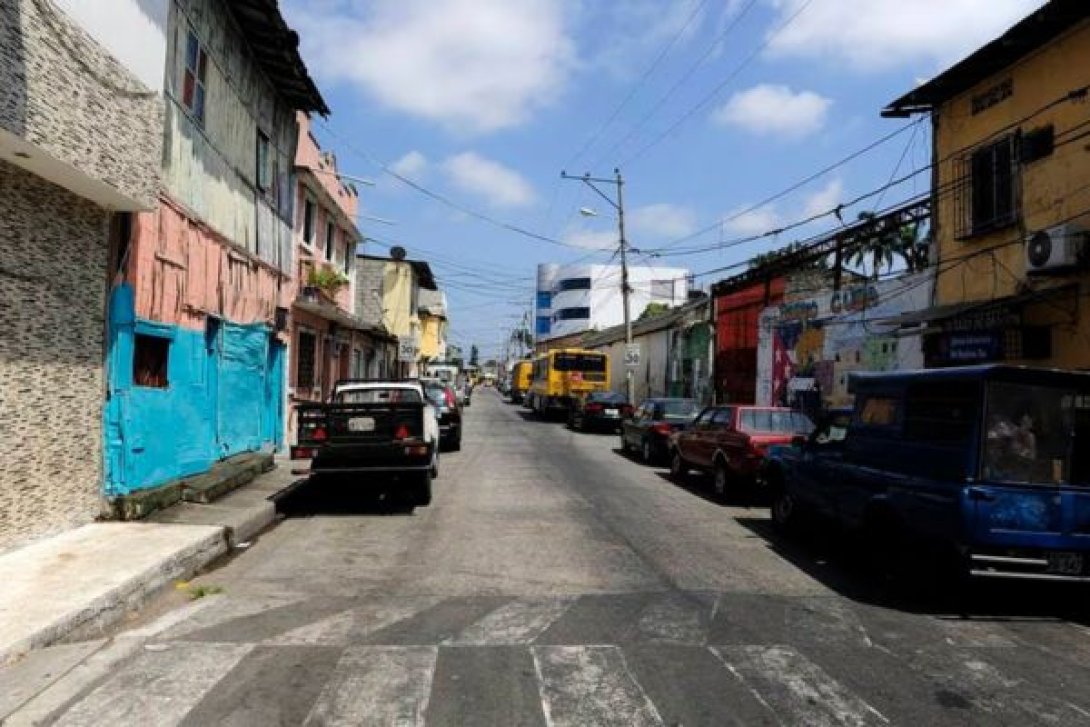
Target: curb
<point>90,619</point>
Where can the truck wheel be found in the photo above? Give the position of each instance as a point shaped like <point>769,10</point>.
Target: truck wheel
<point>421,490</point>
<point>785,510</point>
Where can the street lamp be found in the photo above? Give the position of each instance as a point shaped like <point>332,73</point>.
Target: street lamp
<point>618,182</point>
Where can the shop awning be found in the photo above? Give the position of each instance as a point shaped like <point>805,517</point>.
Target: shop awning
<point>940,313</point>
<point>334,314</point>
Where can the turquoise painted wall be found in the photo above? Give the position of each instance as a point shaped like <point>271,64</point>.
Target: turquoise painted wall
<point>223,397</point>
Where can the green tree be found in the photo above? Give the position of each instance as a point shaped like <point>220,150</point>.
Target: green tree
<point>774,256</point>
<point>654,310</point>
<point>882,243</point>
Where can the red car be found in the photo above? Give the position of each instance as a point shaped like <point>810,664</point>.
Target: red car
<point>730,442</point>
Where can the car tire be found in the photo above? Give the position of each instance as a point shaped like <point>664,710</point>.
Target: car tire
<point>721,480</point>
<point>435,467</point>
<point>785,511</point>
<point>624,444</point>
<point>679,468</point>
<point>647,451</point>
<point>457,445</point>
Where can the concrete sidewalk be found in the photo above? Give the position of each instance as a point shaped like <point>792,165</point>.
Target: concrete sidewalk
<point>76,584</point>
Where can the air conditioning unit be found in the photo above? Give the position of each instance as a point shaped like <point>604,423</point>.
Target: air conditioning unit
<point>1056,249</point>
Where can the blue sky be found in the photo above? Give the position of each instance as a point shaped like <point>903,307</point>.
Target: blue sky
<point>712,106</point>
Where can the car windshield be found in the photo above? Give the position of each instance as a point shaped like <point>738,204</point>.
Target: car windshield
<point>606,397</point>
<point>437,395</point>
<point>378,396</point>
<point>683,409</point>
<point>1034,434</point>
<point>587,362</point>
<point>775,420</point>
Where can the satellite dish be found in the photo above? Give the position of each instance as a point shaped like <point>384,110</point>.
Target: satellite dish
<point>397,252</point>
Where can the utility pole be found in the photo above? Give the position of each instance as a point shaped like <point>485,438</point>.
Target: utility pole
<point>626,289</point>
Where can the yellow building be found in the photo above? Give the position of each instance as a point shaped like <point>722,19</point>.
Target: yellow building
<point>432,310</point>
<point>388,293</point>
<point>1011,195</point>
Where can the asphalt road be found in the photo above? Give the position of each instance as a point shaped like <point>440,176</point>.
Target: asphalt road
<point>554,581</point>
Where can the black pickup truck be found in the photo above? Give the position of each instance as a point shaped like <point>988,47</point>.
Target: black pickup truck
<point>383,431</point>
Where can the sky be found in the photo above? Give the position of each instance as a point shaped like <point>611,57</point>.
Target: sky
<point>464,113</point>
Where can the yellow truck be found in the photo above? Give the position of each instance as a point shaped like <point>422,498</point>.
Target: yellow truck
<point>562,376</point>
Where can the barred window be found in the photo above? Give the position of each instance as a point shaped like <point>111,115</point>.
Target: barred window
<point>304,373</point>
<point>987,188</point>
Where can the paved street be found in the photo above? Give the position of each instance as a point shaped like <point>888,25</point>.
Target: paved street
<point>554,581</point>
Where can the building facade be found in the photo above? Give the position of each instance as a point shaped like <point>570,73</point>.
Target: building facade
<point>434,325</point>
<point>388,295</point>
<point>80,143</point>
<point>199,311</point>
<point>1011,196</point>
<point>571,299</point>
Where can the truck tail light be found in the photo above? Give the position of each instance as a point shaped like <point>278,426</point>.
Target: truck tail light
<point>402,432</point>
<point>662,428</point>
<point>302,452</point>
<point>451,403</point>
<point>319,434</point>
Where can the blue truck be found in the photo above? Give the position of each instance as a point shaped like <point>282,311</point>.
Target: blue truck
<point>988,465</point>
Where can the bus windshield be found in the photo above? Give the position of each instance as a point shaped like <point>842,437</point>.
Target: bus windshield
<point>586,362</point>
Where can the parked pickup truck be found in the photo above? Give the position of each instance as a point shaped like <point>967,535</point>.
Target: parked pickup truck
<point>384,431</point>
<point>987,465</point>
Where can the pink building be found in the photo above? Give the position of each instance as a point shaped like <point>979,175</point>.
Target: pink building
<point>328,341</point>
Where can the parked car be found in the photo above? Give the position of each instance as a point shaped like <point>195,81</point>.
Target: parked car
<point>986,465</point>
<point>650,427</point>
<point>599,410</point>
<point>385,431</point>
<point>730,442</point>
<point>831,426</point>
<point>449,413</point>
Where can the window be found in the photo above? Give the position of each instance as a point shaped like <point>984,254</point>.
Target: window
<point>586,362</point>
<point>723,418</point>
<point>879,411</point>
<point>544,325</point>
<point>304,357</point>
<point>940,412</point>
<point>348,255</point>
<point>989,190</point>
<point>662,289</point>
<point>680,409</point>
<point>330,240</point>
<point>150,361</point>
<point>1029,434</point>
<point>771,420</point>
<point>378,396</point>
<point>572,314</point>
<point>544,300</point>
<point>193,80</point>
<point>308,221</point>
<point>264,168</point>
<point>574,284</point>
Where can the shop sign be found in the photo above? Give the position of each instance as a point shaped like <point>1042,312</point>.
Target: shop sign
<point>966,348</point>
<point>984,320</point>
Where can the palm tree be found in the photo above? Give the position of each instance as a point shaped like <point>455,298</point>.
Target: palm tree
<point>880,244</point>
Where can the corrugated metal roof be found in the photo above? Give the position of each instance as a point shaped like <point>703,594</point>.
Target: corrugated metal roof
<point>276,48</point>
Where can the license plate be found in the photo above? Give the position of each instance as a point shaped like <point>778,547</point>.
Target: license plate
<point>1067,564</point>
<point>611,413</point>
<point>361,424</point>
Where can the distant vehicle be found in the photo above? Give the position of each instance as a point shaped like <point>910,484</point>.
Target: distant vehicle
<point>447,372</point>
<point>384,431</point>
<point>649,429</point>
<point>730,442</point>
<point>464,390</point>
<point>985,468</point>
<point>449,412</point>
<point>599,410</point>
<point>560,377</point>
<point>521,376</point>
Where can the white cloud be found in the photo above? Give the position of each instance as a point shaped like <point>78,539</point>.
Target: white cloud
<point>874,35</point>
<point>412,165</point>
<point>662,220</point>
<point>755,222</point>
<point>824,199</point>
<point>592,239</point>
<point>774,109</point>
<point>470,65</point>
<point>498,185</point>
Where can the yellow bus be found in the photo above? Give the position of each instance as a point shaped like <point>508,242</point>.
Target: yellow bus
<point>565,374</point>
<point>521,376</point>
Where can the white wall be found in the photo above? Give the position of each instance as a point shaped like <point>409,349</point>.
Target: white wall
<point>133,31</point>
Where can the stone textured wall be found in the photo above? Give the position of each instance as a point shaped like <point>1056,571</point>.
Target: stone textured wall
<point>369,289</point>
<point>53,248</point>
<point>61,91</point>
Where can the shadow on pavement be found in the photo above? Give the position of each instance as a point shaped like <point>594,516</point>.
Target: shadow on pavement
<point>845,563</point>
<point>340,497</point>
<point>534,418</point>
<point>700,485</point>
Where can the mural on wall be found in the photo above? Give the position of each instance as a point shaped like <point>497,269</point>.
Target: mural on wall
<point>808,347</point>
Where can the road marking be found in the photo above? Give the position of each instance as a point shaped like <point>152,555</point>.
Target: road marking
<point>590,685</point>
<point>517,622</point>
<point>158,687</point>
<point>673,619</point>
<point>331,631</point>
<point>378,685</point>
<point>795,689</point>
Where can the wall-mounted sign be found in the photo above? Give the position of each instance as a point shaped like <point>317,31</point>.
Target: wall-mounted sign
<point>632,355</point>
<point>991,96</point>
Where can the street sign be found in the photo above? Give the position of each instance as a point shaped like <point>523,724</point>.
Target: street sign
<point>406,350</point>
<point>632,355</point>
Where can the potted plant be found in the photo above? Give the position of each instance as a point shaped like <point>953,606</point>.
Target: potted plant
<point>327,280</point>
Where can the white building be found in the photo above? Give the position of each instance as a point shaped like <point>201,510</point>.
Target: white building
<point>575,298</point>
